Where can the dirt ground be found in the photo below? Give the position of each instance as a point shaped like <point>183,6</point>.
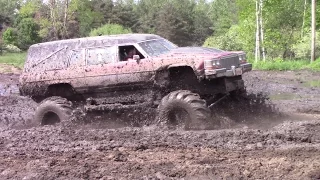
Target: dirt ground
<point>258,139</point>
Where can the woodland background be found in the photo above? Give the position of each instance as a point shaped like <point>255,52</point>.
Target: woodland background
<point>283,27</point>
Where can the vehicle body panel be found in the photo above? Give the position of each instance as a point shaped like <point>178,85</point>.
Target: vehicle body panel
<point>77,62</point>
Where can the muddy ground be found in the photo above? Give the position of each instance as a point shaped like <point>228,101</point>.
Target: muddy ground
<point>258,139</point>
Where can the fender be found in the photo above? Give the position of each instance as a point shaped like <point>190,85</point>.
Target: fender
<point>167,67</point>
<point>197,72</point>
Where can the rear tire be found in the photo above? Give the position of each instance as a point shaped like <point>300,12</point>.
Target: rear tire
<point>183,109</point>
<point>53,110</point>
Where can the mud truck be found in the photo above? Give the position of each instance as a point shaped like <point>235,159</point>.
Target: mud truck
<point>125,71</point>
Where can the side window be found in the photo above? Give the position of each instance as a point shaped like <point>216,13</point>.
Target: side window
<point>76,58</point>
<point>103,55</point>
<point>127,52</point>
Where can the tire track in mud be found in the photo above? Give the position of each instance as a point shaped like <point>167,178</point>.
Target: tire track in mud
<point>132,153</point>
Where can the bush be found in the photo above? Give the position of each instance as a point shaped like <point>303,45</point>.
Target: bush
<point>302,49</point>
<point>229,41</point>
<point>110,29</point>
<point>11,48</point>
<point>9,36</point>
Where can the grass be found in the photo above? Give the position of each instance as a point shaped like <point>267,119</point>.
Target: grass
<point>285,65</point>
<point>15,59</point>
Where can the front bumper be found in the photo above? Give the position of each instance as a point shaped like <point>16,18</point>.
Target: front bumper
<point>224,72</point>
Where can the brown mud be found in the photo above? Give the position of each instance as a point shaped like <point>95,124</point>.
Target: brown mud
<point>271,133</point>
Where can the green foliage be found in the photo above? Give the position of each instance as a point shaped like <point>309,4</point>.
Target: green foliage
<point>230,41</point>
<point>29,9</point>
<point>27,31</point>
<point>224,14</point>
<point>110,29</point>
<point>7,9</point>
<point>302,48</point>
<point>9,36</point>
<point>308,15</point>
<point>44,25</point>
<point>202,23</point>
<point>148,11</point>
<point>282,22</point>
<point>15,59</point>
<point>174,22</point>
<point>315,65</point>
<point>224,24</point>
<point>85,15</point>
<point>285,65</point>
<point>281,65</point>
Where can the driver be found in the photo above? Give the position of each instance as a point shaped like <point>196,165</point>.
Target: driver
<point>130,54</point>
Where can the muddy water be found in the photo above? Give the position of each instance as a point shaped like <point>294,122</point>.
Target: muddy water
<point>261,139</point>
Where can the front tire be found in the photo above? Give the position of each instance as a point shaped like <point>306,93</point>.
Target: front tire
<point>183,109</point>
<point>53,110</point>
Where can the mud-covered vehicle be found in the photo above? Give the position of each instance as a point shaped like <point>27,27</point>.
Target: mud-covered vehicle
<point>128,71</point>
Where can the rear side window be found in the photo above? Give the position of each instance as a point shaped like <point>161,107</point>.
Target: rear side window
<point>104,55</point>
<point>76,58</point>
<point>52,61</point>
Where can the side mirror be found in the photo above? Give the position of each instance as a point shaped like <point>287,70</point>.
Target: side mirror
<point>136,58</point>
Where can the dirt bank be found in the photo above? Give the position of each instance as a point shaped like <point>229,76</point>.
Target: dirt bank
<point>276,139</point>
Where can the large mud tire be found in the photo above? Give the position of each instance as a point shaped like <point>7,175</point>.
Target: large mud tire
<point>53,110</point>
<point>183,110</point>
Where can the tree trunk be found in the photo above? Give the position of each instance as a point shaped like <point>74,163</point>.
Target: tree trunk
<point>304,16</point>
<point>65,19</point>
<point>53,18</point>
<point>313,31</point>
<point>261,31</point>
<point>257,51</point>
<point>1,43</point>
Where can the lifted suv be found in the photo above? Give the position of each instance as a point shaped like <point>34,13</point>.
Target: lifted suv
<point>130,70</point>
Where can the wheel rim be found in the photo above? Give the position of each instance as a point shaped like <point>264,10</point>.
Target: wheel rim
<point>50,118</point>
<point>178,117</point>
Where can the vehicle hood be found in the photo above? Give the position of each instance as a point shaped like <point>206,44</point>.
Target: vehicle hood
<point>192,56</point>
<point>196,52</point>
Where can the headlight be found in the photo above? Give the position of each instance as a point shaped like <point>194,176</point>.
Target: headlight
<point>208,64</point>
<point>216,62</point>
<point>242,58</point>
<point>211,64</point>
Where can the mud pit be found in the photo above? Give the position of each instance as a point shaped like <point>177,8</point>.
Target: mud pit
<point>270,140</point>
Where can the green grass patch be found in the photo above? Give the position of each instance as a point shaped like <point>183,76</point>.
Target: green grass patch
<point>15,59</point>
<point>286,65</point>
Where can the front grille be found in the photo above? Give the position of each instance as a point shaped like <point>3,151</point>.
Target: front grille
<point>231,60</point>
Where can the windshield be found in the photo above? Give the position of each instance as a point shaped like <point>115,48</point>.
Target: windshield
<point>157,47</point>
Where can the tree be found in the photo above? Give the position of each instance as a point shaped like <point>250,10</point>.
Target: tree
<point>203,25</point>
<point>224,14</point>
<point>313,30</point>
<point>175,22</point>
<point>65,19</point>
<point>257,51</point>
<point>27,32</point>
<point>7,9</point>
<point>261,30</point>
<point>110,29</point>
<point>83,13</point>
<point>149,11</point>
